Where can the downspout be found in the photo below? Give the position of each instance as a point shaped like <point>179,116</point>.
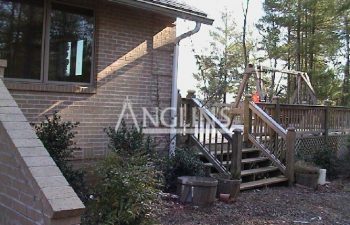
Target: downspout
<point>174,86</point>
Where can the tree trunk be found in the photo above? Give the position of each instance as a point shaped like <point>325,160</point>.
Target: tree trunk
<point>298,47</point>
<point>290,79</point>
<point>272,87</point>
<point>225,60</point>
<point>312,44</point>
<point>245,54</point>
<point>347,63</point>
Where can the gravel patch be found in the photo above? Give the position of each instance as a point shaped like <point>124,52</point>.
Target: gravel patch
<point>329,204</point>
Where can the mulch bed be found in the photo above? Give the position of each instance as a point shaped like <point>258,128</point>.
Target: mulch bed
<point>329,204</point>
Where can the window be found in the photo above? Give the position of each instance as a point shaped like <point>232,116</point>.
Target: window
<point>21,31</point>
<point>56,49</point>
<point>71,33</point>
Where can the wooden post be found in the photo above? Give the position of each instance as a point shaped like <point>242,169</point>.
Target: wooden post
<point>236,157</point>
<point>290,153</point>
<point>3,65</point>
<point>276,113</point>
<point>299,88</point>
<point>277,110</point>
<point>327,104</point>
<point>191,94</point>
<point>247,118</point>
<point>247,73</point>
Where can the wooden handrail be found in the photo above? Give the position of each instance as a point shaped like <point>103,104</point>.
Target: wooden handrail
<point>303,106</point>
<point>221,128</point>
<point>228,105</point>
<point>271,138</point>
<point>267,119</point>
<point>213,138</point>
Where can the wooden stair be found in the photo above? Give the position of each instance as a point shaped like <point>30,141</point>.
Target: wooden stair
<point>257,171</point>
<point>263,182</point>
<point>220,146</point>
<point>254,160</point>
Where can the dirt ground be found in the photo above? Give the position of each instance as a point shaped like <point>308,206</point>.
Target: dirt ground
<point>329,204</point>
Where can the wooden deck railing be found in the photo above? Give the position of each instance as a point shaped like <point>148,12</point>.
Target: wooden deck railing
<point>309,119</point>
<point>225,112</point>
<point>275,142</point>
<point>221,147</point>
<point>338,120</point>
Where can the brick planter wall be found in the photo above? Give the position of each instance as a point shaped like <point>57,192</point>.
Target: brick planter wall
<point>33,190</point>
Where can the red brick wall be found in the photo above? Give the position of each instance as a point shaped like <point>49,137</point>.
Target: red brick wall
<point>133,50</point>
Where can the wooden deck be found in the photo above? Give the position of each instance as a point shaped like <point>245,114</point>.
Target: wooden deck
<point>273,130</point>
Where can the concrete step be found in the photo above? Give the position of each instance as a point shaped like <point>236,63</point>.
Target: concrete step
<point>263,182</point>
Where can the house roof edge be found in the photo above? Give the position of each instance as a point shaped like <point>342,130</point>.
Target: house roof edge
<point>168,10</point>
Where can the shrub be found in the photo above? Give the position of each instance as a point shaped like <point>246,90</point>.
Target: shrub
<point>127,142</point>
<point>344,164</point>
<point>184,163</point>
<point>128,184</point>
<point>327,159</point>
<point>57,137</point>
<point>125,193</point>
<point>303,167</point>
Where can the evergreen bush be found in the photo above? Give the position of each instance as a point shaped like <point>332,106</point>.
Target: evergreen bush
<point>185,162</point>
<point>57,137</point>
<point>128,183</point>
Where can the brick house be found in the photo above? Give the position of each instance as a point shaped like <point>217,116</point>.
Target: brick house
<point>126,49</point>
<point>82,58</point>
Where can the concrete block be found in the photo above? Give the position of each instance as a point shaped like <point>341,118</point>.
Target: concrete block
<point>56,181</point>
<point>66,207</point>
<point>31,142</point>
<point>33,151</point>
<point>7,102</point>
<point>39,161</point>
<point>45,171</point>
<point>22,134</point>
<point>58,192</point>
<point>17,126</point>
<point>12,118</point>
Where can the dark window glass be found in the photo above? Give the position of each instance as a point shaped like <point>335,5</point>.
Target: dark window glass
<point>71,39</point>
<point>21,30</point>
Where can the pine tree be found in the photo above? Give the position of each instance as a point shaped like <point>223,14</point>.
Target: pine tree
<point>219,71</point>
<point>302,35</point>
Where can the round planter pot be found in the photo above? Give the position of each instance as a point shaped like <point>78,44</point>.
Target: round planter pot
<point>228,186</point>
<point>308,180</point>
<point>197,190</point>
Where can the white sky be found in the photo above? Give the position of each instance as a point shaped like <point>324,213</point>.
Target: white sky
<point>200,41</point>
